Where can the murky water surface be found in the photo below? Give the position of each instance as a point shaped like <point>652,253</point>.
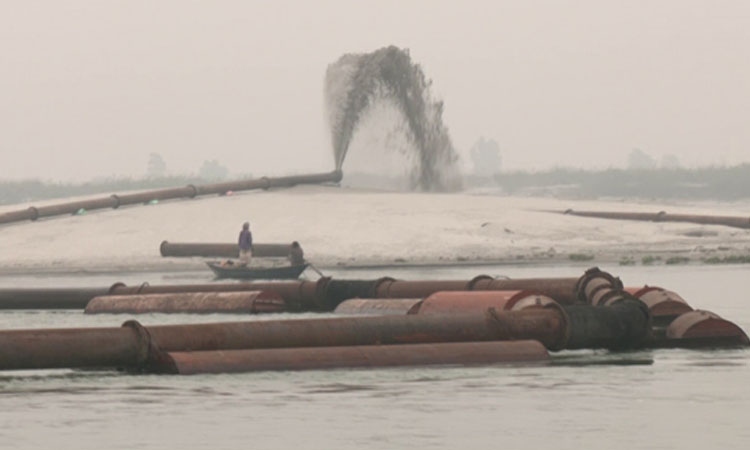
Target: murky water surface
<point>650,399</point>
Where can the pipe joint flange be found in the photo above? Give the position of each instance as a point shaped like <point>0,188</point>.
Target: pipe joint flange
<point>195,190</point>
<point>266,183</point>
<point>162,247</point>
<point>141,287</point>
<point>117,200</point>
<point>473,282</point>
<point>115,286</point>
<point>33,213</point>
<point>591,274</point>
<point>564,336</point>
<point>144,350</point>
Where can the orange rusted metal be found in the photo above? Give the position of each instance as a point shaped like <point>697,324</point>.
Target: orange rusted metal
<point>54,348</point>
<point>705,328</point>
<point>447,302</point>
<point>463,353</point>
<point>249,302</point>
<point>377,306</point>
<point>660,302</point>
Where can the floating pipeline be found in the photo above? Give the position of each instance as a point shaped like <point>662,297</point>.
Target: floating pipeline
<point>148,197</point>
<point>312,358</point>
<point>221,250</point>
<point>690,329</point>
<point>449,302</point>
<point>662,216</point>
<point>377,306</point>
<point>324,294</point>
<point>699,328</point>
<point>138,347</point>
<point>248,302</point>
<point>663,304</point>
<point>48,298</point>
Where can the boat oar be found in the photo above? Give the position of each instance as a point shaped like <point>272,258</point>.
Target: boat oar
<point>310,265</point>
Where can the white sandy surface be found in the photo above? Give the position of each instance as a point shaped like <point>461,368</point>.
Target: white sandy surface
<point>346,226</point>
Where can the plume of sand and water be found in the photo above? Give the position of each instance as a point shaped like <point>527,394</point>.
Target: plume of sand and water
<point>355,82</point>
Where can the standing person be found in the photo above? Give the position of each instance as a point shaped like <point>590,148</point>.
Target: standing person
<point>245,242</point>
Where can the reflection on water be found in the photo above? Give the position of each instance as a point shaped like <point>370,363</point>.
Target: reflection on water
<point>584,399</point>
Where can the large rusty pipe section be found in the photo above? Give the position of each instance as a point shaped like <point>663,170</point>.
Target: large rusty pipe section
<point>662,216</point>
<point>126,346</point>
<point>312,358</point>
<point>451,302</point>
<point>248,302</point>
<point>221,250</point>
<point>189,191</point>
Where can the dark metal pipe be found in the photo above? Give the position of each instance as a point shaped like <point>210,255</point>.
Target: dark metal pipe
<point>730,221</point>
<point>19,215</point>
<point>73,207</point>
<point>48,298</point>
<point>249,302</point>
<point>189,191</point>
<point>622,325</point>
<point>465,353</point>
<point>159,194</point>
<point>221,250</point>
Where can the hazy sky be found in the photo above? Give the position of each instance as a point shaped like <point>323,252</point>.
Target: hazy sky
<point>90,88</point>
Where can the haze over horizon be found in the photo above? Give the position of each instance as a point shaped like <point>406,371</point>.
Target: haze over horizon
<point>90,89</point>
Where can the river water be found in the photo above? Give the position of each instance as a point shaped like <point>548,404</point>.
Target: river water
<point>586,399</point>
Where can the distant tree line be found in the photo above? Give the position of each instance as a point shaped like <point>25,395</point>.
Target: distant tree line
<point>718,183</point>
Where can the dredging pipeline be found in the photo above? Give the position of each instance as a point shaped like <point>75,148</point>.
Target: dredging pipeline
<point>662,216</point>
<point>248,302</point>
<point>138,347</point>
<point>190,191</point>
<point>324,294</point>
<point>316,358</point>
<point>221,250</point>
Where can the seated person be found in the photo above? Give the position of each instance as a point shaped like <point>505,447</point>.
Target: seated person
<point>296,255</point>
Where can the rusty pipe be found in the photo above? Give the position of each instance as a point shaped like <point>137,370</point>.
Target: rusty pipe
<point>48,298</point>
<point>268,183</point>
<point>448,302</point>
<point>662,216</point>
<point>377,306</point>
<point>661,303</point>
<point>324,294</point>
<point>189,191</point>
<point>311,358</point>
<point>581,326</point>
<point>126,346</point>
<point>248,302</point>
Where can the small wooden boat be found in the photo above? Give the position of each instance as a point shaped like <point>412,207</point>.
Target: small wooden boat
<point>223,270</point>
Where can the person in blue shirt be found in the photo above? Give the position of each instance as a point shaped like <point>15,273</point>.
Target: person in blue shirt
<point>245,242</point>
